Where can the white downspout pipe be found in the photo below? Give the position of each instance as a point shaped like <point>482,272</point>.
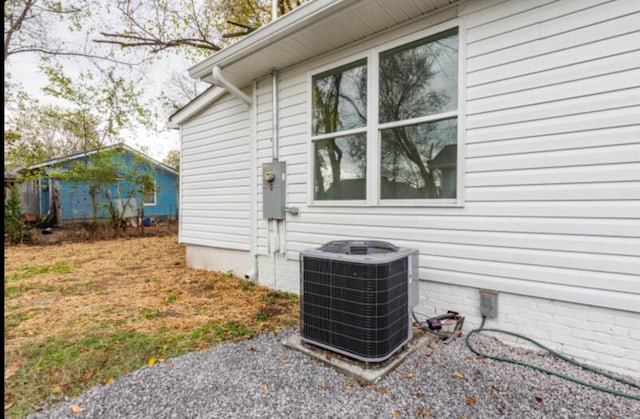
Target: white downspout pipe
<point>221,80</point>
<point>252,275</point>
<point>275,152</point>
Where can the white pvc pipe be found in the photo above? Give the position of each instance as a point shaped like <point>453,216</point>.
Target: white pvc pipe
<point>221,80</point>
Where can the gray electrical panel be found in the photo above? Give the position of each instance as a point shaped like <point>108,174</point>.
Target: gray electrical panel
<point>274,190</point>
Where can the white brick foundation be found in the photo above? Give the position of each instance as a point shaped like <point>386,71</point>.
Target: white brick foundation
<point>605,338</point>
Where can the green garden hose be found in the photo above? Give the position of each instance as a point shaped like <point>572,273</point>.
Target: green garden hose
<point>557,355</point>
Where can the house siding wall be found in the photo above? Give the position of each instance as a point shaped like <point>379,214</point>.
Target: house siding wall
<point>76,202</point>
<point>552,169</point>
<point>551,211</point>
<point>215,193</point>
<point>166,196</point>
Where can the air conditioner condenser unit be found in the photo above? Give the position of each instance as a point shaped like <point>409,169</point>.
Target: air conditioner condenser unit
<point>357,297</point>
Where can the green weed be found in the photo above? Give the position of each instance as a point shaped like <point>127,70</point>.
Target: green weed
<point>150,314</point>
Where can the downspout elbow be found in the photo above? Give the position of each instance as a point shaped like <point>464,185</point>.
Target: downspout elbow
<point>221,80</point>
<point>251,275</point>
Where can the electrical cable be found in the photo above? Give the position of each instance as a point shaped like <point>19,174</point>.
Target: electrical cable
<point>433,324</point>
<point>484,318</point>
<point>550,372</point>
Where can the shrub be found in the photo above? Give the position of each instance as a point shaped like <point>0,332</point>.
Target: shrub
<point>13,223</point>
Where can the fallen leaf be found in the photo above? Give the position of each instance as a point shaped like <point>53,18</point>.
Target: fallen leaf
<point>110,380</point>
<point>472,400</point>
<point>152,361</point>
<point>323,385</point>
<point>397,414</point>
<point>459,375</point>
<point>13,368</point>
<point>348,387</point>
<point>539,399</point>
<point>416,393</point>
<point>494,390</point>
<point>56,389</point>
<point>252,349</point>
<point>265,389</point>
<point>383,390</point>
<point>8,406</point>
<point>77,409</point>
<point>88,374</point>
<point>431,413</point>
<point>284,361</point>
<point>409,375</point>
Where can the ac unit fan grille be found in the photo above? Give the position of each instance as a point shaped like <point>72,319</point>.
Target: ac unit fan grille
<point>360,309</point>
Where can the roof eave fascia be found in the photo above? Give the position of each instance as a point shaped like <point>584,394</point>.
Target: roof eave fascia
<point>303,16</point>
<point>196,106</point>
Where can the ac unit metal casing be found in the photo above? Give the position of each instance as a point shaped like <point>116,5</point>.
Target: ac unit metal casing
<point>357,298</point>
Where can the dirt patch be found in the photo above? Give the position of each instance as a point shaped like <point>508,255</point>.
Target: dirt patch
<point>115,291</point>
<point>117,281</point>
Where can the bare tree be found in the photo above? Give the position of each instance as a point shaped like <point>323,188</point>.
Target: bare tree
<point>197,27</point>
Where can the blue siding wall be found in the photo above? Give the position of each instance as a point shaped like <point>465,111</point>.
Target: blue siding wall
<point>76,200</point>
<point>166,196</point>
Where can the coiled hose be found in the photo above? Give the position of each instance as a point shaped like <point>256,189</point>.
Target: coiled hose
<point>550,372</point>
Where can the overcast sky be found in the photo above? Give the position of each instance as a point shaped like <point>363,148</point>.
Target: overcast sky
<point>24,70</point>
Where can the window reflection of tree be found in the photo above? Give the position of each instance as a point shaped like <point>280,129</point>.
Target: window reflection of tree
<point>409,78</point>
<point>339,103</point>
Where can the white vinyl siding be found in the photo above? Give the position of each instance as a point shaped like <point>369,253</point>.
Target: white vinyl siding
<point>549,166</point>
<point>215,207</point>
<point>552,157</point>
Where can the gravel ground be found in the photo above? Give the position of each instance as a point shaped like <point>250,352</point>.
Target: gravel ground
<point>262,378</point>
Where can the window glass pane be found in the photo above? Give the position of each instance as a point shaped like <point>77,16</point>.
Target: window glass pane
<point>420,78</point>
<point>340,166</point>
<point>148,190</point>
<point>340,99</point>
<point>419,161</point>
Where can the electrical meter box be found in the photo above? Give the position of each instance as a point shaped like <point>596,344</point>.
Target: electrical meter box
<point>274,190</point>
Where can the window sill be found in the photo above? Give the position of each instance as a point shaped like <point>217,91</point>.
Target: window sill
<point>446,203</point>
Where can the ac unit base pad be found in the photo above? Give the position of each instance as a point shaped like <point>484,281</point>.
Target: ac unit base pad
<point>366,373</point>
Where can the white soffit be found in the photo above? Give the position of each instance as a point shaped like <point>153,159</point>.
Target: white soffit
<point>313,29</point>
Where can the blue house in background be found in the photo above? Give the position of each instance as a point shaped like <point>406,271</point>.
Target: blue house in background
<point>65,201</point>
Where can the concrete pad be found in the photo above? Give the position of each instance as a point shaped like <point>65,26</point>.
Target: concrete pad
<point>367,373</point>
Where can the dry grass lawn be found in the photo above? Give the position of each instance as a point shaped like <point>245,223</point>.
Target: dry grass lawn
<point>80,314</point>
